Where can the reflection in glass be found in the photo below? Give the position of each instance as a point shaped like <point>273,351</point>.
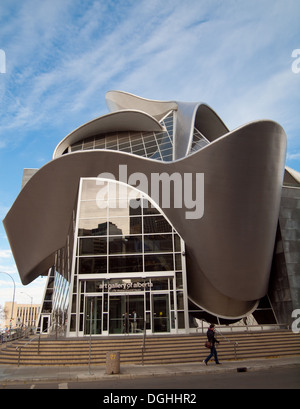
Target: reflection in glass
<point>93,189</point>
<point>179,282</point>
<point>162,262</point>
<point>147,144</point>
<point>93,286</point>
<point>125,244</point>
<point>177,243</point>
<point>161,312</point>
<point>180,305</point>
<point>158,243</point>
<point>91,208</point>
<point>178,262</point>
<point>92,227</point>
<point>148,208</point>
<point>125,226</point>
<point>126,314</point>
<point>156,224</point>
<point>125,264</point>
<point>93,315</point>
<point>93,245</point>
<point>159,284</point>
<point>92,265</point>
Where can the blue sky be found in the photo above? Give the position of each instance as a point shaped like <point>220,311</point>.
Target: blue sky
<point>63,55</point>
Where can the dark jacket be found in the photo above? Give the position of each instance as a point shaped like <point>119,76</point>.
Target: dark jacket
<point>211,336</point>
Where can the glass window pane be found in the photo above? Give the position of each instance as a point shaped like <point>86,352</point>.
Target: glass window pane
<point>94,286</point>
<point>75,148</point>
<point>135,206</point>
<point>165,145</point>
<point>92,208</point>
<point>92,227</point>
<point>120,191</point>
<point>88,143</point>
<point>135,137</point>
<point>180,305</point>
<point>125,244</point>
<point>125,264</point>
<point>123,138</point>
<point>177,242</point>
<point>178,263</point>
<point>125,226</point>
<point>100,144</point>
<point>156,224</point>
<point>111,141</point>
<point>73,322</point>
<point>156,156</point>
<point>93,189</point>
<point>161,262</point>
<point>160,136</point>
<point>139,152</point>
<point>179,283</point>
<point>159,284</point>
<point>90,246</point>
<point>124,146</point>
<point>148,208</point>
<point>180,316</point>
<point>92,265</point>
<point>158,243</point>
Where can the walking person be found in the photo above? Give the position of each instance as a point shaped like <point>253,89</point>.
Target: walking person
<point>211,338</point>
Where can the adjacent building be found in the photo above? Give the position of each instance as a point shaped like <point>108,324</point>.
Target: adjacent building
<point>156,213</point>
<point>20,315</point>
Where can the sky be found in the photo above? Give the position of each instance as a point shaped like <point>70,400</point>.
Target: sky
<point>58,58</point>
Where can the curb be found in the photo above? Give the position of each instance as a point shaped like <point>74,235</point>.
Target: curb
<point>134,372</point>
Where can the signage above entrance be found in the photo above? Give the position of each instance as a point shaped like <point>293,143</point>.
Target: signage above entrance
<point>126,286</point>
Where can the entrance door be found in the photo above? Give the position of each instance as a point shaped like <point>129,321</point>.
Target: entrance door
<point>45,324</point>
<point>126,314</point>
<point>161,313</point>
<point>92,315</point>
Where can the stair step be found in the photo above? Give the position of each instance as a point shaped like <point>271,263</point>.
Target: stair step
<point>159,349</point>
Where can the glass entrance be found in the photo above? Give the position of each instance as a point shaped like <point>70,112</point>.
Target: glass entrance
<point>126,314</point>
<point>93,315</point>
<point>45,323</point>
<point>161,313</point>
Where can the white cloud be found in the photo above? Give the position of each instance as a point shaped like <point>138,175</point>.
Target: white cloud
<point>293,156</point>
<point>5,254</point>
<point>3,211</point>
<point>158,48</point>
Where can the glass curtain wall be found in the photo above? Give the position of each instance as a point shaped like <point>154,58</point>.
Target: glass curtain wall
<point>56,296</point>
<point>129,271</point>
<point>154,145</point>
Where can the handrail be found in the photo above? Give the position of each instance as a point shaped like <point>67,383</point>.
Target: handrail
<point>19,347</point>
<point>10,337</point>
<point>144,342</point>
<point>235,343</point>
<point>236,328</point>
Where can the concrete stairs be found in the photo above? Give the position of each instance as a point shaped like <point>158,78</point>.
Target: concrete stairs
<point>158,349</point>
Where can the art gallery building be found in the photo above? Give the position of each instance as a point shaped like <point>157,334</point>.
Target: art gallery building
<point>154,214</point>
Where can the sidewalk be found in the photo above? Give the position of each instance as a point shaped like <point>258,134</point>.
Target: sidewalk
<point>32,374</point>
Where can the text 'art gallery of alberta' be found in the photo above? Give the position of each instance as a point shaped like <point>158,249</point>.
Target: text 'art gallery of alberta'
<point>155,214</point>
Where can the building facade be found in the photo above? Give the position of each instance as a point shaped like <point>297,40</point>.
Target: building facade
<point>153,214</point>
<point>20,315</point>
